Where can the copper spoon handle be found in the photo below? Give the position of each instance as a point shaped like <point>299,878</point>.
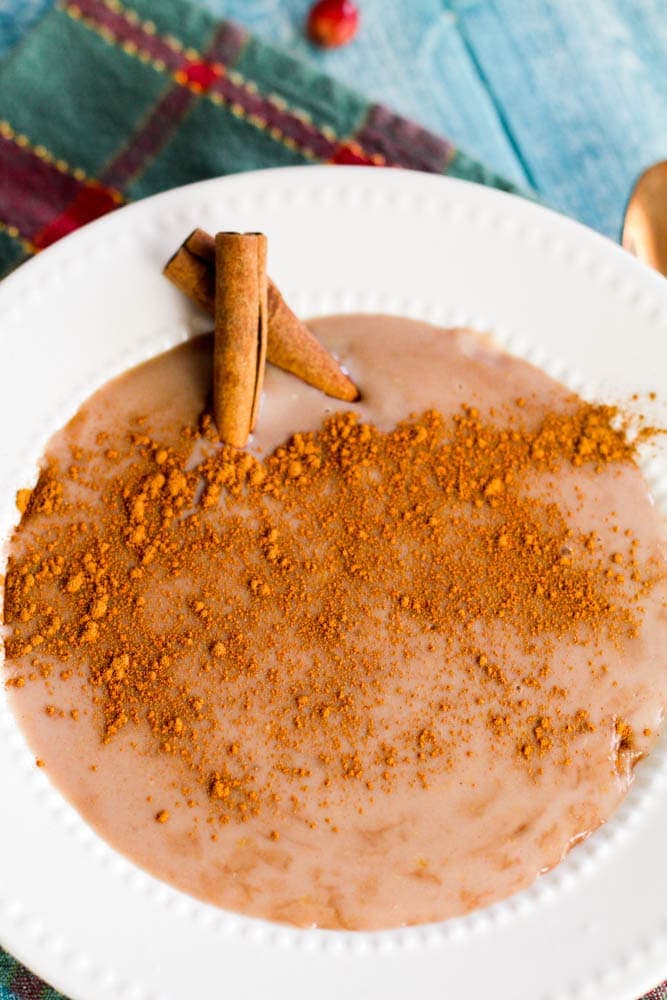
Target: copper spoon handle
<point>645,222</point>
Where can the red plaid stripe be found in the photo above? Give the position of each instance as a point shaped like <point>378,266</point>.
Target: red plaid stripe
<point>31,189</point>
<point>193,77</point>
<point>26,986</point>
<point>146,143</point>
<point>351,154</point>
<point>90,202</point>
<point>401,141</point>
<point>42,200</point>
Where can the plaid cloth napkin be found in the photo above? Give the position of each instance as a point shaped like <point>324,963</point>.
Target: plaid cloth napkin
<point>102,104</point>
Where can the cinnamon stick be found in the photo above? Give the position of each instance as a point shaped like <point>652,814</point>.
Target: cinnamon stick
<point>239,352</point>
<point>194,272</point>
<point>290,344</point>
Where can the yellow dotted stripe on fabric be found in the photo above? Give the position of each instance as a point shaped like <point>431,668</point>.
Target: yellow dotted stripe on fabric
<point>42,153</point>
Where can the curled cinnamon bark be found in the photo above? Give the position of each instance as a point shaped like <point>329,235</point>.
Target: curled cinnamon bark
<point>290,344</point>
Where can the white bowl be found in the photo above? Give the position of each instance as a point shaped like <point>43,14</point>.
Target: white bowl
<point>341,239</point>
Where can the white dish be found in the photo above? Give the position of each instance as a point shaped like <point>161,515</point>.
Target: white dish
<point>341,239</point>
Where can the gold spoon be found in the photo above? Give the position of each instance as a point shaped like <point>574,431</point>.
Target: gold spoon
<point>645,222</point>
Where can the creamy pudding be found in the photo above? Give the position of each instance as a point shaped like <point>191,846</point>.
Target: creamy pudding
<point>383,668</point>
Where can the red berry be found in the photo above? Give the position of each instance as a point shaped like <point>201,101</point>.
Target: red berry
<point>332,22</point>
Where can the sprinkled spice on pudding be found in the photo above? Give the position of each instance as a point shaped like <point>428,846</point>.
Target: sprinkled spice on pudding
<point>384,666</point>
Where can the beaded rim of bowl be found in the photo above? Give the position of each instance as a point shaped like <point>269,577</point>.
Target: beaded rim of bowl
<point>200,201</point>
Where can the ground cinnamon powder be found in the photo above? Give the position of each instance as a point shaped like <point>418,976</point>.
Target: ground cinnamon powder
<point>199,592</point>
